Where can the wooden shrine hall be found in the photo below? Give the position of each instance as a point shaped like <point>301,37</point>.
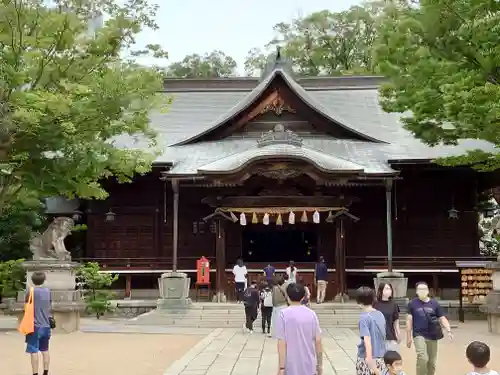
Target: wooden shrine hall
<point>283,168</point>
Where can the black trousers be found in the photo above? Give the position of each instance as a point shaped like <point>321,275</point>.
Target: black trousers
<point>250,316</point>
<point>240,288</point>
<point>267,313</point>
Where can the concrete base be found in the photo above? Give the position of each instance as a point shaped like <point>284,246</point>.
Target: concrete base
<point>174,290</point>
<point>397,280</point>
<point>494,323</point>
<point>60,275</point>
<point>219,297</point>
<point>341,297</point>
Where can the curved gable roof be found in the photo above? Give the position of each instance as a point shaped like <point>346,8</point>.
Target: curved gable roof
<point>256,93</point>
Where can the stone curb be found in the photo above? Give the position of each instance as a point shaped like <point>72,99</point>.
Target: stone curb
<point>178,366</point>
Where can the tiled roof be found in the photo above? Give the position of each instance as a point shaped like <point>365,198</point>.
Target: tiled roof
<point>279,144</point>
<point>197,111</point>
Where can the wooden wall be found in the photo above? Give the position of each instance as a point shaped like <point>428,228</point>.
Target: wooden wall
<point>421,226</point>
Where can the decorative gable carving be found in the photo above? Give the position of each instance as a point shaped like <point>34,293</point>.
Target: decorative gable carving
<point>275,103</point>
<point>279,135</point>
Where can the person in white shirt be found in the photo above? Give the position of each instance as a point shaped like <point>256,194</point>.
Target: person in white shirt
<point>478,354</point>
<point>291,272</point>
<point>240,279</point>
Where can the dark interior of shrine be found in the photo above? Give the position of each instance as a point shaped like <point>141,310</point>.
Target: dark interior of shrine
<point>272,243</point>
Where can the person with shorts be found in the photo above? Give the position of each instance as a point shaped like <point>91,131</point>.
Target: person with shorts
<point>38,341</point>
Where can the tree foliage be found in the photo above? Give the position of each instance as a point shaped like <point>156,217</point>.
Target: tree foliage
<point>65,94</point>
<point>12,278</point>
<point>209,65</point>
<point>20,218</point>
<point>442,58</point>
<point>95,286</point>
<point>324,43</point>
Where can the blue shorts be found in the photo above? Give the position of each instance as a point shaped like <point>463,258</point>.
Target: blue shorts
<point>38,341</point>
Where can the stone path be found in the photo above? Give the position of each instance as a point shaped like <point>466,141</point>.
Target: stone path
<point>231,352</point>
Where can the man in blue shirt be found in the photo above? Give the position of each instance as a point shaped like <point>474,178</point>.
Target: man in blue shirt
<point>321,277</point>
<point>424,324</point>
<point>269,274</point>
<point>38,341</point>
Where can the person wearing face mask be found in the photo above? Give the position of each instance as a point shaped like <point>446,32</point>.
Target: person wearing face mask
<point>390,309</point>
<point>424,325</point>
<point>394,363</point>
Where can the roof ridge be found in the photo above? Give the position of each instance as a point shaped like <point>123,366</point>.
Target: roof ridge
<point>245,103</point>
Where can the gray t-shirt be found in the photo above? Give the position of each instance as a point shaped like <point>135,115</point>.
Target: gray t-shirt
<point>42,305</point>
<point>372,324</point>
<point>491,372</point>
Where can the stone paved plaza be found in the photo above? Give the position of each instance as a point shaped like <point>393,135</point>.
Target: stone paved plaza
<point>231,352</point>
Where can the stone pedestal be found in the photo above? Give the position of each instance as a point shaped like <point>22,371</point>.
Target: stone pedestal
<point>219,297</point>
<point>341,297</point>
<point>397,280</point>
<point>60,275</point>
<point>492,301</point>
<point>174,290</point>
<point>67,302</point>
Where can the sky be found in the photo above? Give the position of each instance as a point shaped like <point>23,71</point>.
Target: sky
<point>199,26</point>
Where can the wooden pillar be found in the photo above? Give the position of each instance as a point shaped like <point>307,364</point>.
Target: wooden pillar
<point>220,260</point>
<point>175,224</point>
<point>128,286</point>
<point>340,263</point>
<point>388,210</point>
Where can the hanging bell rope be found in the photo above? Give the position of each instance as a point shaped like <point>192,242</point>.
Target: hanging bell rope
<point>279,220</point>
<point>265,220</point>
<point>255,219</point>
<point>303,218</point>
<point>291,218</point>
<point>243,219</point>
<point>316,217</point>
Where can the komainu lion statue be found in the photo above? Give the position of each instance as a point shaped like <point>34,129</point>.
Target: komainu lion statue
<point>50,244</point>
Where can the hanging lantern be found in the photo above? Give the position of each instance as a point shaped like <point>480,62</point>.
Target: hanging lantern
<point>316,217</point>
<point>291,218</point>
<point>279,220</point>
<point>255,220</point>
<point>265,220</point>
<point>243,219</point>
<point>303,218</point>
<point>233,217</point>
<point>109,216</point>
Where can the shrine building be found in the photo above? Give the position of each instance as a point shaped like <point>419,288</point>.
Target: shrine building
<point>280,168</point>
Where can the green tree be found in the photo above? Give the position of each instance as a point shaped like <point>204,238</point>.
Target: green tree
<point>12,278</point>
<point>209,65</point>
<point>442,59</point>
<point>66,94</point>
<point>325,43</point>
<point>95,285</point>
<point>20,218</point>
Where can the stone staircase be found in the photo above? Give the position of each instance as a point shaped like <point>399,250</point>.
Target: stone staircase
<point>231,315</point>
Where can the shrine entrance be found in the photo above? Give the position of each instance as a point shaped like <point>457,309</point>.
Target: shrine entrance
<point>270,244</point>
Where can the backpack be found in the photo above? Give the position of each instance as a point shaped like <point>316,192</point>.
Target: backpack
<point>267,298</point>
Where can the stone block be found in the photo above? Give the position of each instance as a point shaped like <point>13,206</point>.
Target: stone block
<point>60,275</point>
<point>397,280</point>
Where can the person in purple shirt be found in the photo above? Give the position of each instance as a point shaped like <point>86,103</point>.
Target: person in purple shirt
<point>269,272</point>
<point>298,332</point>
<point>38,341</point>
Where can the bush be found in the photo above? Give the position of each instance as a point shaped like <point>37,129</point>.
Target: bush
<point>94,285</point>
<point>12,278</point>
